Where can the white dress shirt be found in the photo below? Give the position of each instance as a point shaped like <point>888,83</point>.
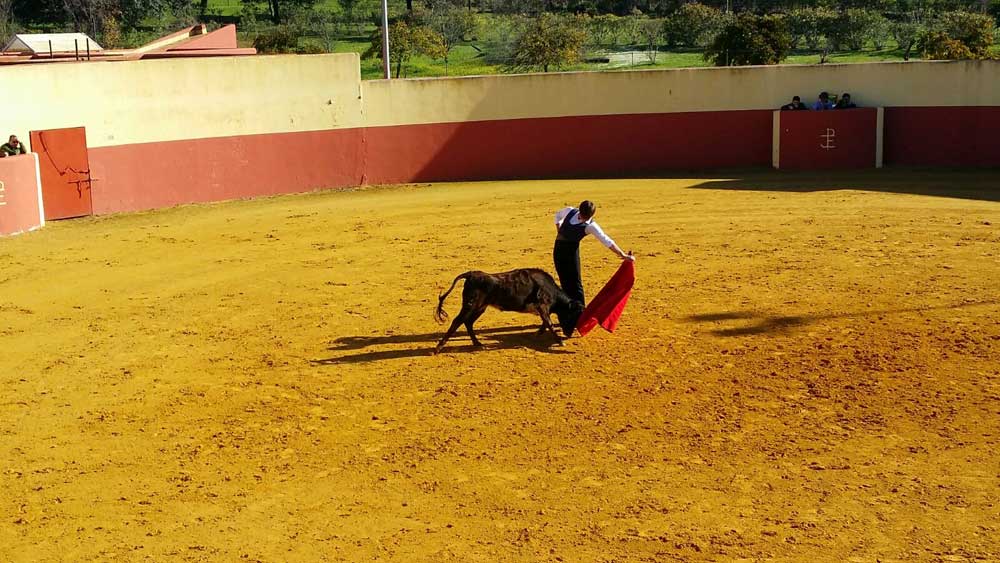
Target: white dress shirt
<point>592,227</point>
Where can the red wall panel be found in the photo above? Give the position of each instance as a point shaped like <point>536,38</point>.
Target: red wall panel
<point>588,146</point>
<point>18,194</point>
<point>942,136</point>
<point>813,140</point>
<point>65,170</point>
<point>154,175</point>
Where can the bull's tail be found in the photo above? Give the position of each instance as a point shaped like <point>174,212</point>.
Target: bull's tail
<point>439,314</point>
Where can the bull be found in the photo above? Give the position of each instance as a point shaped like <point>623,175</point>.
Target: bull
<point>526,290</point>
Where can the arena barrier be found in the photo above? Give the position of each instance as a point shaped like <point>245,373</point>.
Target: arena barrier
<point>826,140</point>
<point>21,207</point>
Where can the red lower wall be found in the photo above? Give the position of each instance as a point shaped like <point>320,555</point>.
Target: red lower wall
<point>154,175</point>
<point>587,146</point>
<point>942,136</point>
<point>19,210</point>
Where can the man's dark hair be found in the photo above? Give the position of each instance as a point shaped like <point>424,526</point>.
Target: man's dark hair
<point>796,99</point>
<point>587,208</point>
<point>845,95</point>
<point>824,95</point>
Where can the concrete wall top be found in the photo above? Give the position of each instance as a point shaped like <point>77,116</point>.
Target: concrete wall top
<point>167,100</point>
<point>442,100</point>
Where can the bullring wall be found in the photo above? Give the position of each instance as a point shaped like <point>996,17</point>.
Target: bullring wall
<point>165,132</point>
<point>621,123</point>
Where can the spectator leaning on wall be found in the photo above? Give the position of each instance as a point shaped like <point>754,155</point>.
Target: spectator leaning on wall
<point>823,102</point>
<point>795,105</point>
<point>12,147</point>
<point>845,102</point>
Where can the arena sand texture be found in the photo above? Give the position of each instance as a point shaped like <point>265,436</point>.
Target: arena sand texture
<point>809,370</point>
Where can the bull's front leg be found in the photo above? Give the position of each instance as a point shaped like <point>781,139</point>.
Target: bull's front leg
<point>547,324</point>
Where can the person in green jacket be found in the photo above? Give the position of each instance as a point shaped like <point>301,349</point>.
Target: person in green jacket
<point>12,147</point>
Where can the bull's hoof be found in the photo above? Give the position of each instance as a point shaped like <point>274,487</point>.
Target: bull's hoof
<point>477,344</point>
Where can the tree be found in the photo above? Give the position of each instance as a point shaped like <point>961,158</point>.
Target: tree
<point>405,41</point>
<point>519,6</point>
<point>876,5</point>
<point>799,24</point>
<point>604,29</point>
<point>693,25</point>
<point>348,6</point>
<point>88,16</point>
<point>547,41</point>
<point>111,34</point>
<point>751,40</point>
<point>7,26</point>
<point>323,24</point>
<point>498,37</point>
<point>630,28</point>
<point>808,24</point>
<point>880,31</point>
<point>276,8</point>
<point>453,24</point>
<point>850,28</point>
<point>133,12</point>
<point>975,31</point>
<point>652,31</point>
<point>906,34</point>
<point>958,35</point>
<point>276,40</point>
<point>937,45</point>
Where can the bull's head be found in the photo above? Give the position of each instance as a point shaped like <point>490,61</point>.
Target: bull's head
<point>568,312</point>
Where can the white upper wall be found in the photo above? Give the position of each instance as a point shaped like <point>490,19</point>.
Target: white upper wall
<point>917,83</point>
<point>174,99</point>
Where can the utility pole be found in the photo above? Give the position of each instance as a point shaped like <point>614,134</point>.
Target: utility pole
<point>385,40</point>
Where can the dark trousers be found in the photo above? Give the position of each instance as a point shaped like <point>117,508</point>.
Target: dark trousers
<point>566,255</point>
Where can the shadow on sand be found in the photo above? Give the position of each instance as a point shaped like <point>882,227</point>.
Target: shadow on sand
<point>781,324</point>
<point>982,185</point>
<point>504,338</point>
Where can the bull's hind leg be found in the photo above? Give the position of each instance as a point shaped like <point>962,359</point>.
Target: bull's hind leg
<point>472,318</point>
<point>460,318</point>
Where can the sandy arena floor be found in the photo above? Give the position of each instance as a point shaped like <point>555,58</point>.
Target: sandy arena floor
<point>803,374</point>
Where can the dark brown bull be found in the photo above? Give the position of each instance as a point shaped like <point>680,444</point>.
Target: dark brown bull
<point>528,290</point>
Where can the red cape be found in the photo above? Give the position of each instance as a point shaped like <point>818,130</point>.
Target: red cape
<point>607,307</point>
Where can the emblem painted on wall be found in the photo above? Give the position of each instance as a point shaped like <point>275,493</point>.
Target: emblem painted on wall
<point>3,195</point>
<point>828,139</point>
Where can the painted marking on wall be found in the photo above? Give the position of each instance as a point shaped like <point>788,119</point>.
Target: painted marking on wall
<point>3,196</point>
<point>829,139</point>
